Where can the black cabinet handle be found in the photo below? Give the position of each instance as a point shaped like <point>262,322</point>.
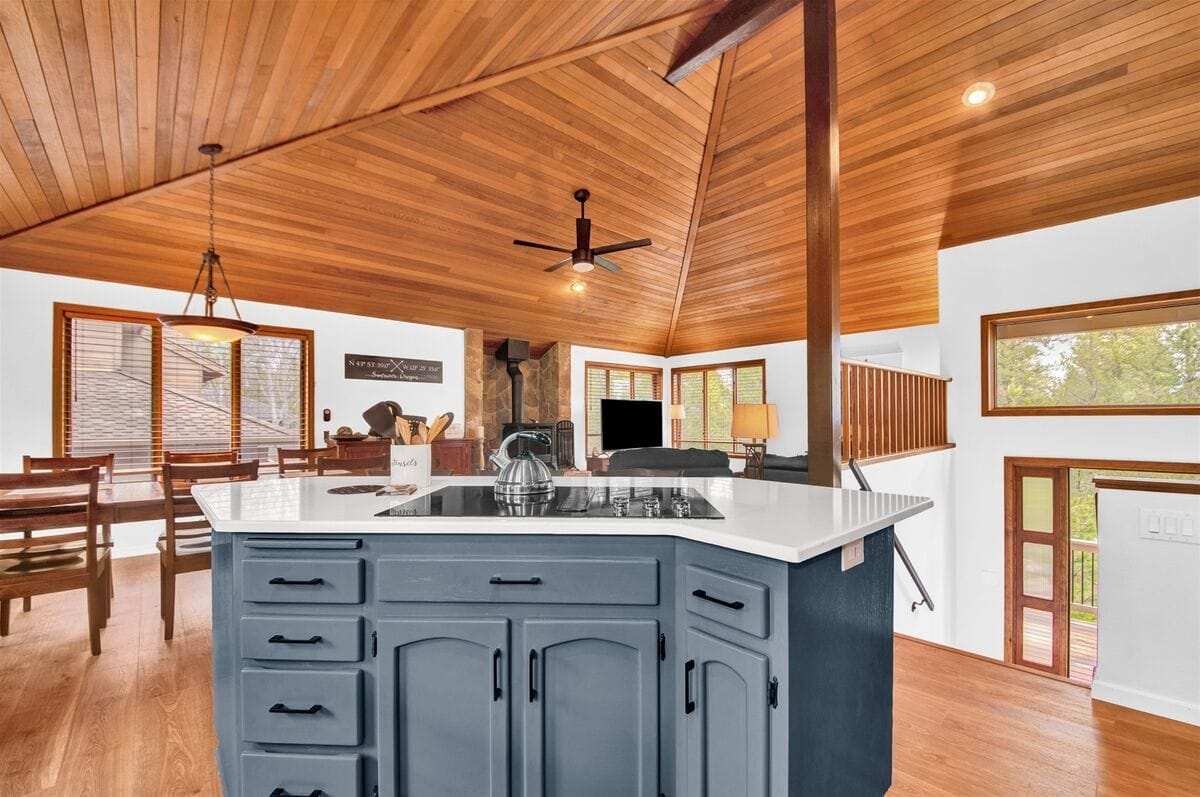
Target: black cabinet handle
<point>282,792</point>
<point>280,639</point>
<point>689,705</point>
<point>534,580</point>
<point>532,676</point>
<point>297,582</point>
<point>497,692</point>
<point>704,596</point>
<point>280,708</point>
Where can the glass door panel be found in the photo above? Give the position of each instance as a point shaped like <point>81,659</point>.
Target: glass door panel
<point>1037,570</point>
<point>1037,504</point>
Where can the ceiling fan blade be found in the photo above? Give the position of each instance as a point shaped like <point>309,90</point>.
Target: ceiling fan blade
<point>532,245</point>
<point>608,264</point>
<point>558,265</point>
<point>604,250</point>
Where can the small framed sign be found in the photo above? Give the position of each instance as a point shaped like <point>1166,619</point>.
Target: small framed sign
<point>392,369</point>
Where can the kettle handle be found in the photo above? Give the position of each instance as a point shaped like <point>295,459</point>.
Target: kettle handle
<point>501,458</point>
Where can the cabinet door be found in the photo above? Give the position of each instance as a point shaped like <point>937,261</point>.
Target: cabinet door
<point>443,707</point>
<point>725,714</point>
<point>591,708</point>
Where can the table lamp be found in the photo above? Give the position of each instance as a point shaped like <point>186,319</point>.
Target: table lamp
<point>755,422</point>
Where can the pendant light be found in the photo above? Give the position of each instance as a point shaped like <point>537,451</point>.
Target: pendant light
<point>210,328</point>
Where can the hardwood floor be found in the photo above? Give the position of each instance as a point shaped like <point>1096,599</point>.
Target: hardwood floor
<point>135,720</point>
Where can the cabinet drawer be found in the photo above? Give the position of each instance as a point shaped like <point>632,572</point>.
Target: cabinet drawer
<point>302,706</point>
<point>302,580</point>
<point>263,774</point>
<point>626,581</point>
<point>294,638</point>
<point>728,600</point>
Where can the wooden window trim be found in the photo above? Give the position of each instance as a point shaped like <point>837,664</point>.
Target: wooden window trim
<point>60,374</point>
<point>989,323</point>
<point>588,365</point>
<point>676,428</point>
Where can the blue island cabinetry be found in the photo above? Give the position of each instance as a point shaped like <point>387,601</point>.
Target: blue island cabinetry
<point>557,666</point>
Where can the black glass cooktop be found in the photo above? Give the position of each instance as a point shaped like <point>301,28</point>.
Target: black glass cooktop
<point>565,503</point>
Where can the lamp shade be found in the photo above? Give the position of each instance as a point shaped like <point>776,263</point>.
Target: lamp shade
<point>755,421</point>
<point>676,412</point>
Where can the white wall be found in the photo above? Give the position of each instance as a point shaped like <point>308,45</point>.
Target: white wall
<point>1149,623</point>
<point>26,331</point>
<point>1151,250</point>
<point>584,354</point>
<point>928,538</point>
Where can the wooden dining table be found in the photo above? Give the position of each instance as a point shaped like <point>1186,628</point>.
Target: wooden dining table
<point>119,502</point>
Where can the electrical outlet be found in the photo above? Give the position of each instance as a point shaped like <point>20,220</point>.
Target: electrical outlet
<point>853,554</point>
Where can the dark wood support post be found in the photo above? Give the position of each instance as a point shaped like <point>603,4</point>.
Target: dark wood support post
<point>822,263</point>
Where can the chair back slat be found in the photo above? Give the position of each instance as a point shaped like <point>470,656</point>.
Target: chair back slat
<point>49,502</point>
<point>182,512</point>
<point>302,459</point>
<point>105,462</point>
<point>199,457</point>
<point>361,466</point>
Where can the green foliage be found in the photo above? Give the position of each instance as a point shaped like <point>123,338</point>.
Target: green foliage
<point>1158,364</point>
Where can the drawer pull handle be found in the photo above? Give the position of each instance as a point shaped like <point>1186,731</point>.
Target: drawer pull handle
<point>280,639</point>
<point>297,582</point>
<point>704,596</point>
<point>282,792</point>
<point>280,708</point>
<point>497,692</point>
<point>689,705</point>
<point>530,582</point>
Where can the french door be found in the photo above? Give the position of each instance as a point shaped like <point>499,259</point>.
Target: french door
<point>1037,576</point>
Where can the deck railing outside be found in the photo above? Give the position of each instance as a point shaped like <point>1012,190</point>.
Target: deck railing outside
<point>890,412</point>
<point>1084,564</point>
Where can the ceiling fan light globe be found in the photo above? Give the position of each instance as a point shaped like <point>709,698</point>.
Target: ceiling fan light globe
<point>582,266</point>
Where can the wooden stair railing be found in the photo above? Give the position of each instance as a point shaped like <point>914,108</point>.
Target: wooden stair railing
<point>890,412</point>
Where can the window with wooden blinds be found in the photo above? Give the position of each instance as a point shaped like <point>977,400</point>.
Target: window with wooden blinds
<point>126,385</point>
<point>708,393</point>
<point>605,380</point>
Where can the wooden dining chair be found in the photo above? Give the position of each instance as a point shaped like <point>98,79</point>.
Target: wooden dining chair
<point>378,465</point>
<point>186,546</point>
<point>107,466</point>
<point>200,457</point>
<point>44,519</point>
<point>302,460</point>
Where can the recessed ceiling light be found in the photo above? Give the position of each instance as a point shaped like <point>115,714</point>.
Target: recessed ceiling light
<point>978,93</point>
<point>578,286</point>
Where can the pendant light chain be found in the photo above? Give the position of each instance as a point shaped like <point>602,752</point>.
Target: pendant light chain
<point>212,190</point>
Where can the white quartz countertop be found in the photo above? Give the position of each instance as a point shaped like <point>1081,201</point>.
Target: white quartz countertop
<point>789,522</point>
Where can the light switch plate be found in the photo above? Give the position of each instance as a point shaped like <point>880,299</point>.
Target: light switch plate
<point>1169,525</point>
<point>853,554</point>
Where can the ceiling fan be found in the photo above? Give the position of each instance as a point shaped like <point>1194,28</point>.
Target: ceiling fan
<point>583,258</point>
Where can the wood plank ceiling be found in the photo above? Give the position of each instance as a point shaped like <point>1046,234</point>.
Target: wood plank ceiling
<point>385,154</point>
<point>1096,111</point>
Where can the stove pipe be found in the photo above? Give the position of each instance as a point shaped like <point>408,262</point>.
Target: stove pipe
<point>514,352</point>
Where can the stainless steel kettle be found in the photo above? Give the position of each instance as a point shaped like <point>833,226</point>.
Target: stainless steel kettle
<point>523,475</point>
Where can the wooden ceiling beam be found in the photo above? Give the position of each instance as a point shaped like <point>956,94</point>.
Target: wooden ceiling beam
<point>731,26</point>
<point>720,95</point>
<point>405,108</point>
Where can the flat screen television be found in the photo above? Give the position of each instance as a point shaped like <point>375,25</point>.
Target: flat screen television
<point>626,423</point>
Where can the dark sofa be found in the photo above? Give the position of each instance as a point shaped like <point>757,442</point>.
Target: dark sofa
<point>786,469</point>
<point>671,461</point>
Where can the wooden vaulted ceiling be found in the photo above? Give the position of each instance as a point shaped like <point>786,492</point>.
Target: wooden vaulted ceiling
<point>380,157</point>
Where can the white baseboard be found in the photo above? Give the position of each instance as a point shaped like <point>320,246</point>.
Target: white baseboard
<point>1147,702</point>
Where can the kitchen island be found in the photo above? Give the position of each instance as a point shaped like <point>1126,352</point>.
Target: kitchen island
<point>436,645</point>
